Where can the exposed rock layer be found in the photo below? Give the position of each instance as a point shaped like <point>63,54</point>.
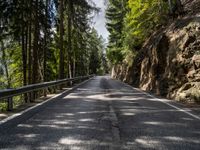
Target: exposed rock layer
<point>169,62</point>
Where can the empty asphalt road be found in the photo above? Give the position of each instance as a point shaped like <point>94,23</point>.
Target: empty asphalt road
<point>105,114</point>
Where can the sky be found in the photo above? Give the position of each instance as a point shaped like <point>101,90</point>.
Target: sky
<point>99,19</point>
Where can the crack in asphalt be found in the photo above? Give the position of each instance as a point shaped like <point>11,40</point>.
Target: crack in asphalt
<point>104,114</point>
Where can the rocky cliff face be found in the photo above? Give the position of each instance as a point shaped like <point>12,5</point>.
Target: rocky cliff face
<point>169,62</point>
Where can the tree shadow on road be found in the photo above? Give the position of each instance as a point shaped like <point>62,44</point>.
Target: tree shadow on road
<point>81,121</point>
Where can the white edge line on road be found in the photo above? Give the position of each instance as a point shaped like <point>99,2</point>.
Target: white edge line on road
<point>28,109</point>
<point>165,101</point>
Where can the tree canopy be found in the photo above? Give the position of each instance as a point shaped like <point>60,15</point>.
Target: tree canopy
<point>45,40</point>
<point>130,22</point>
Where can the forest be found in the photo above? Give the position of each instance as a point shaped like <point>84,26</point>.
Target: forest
<point>131,22</point>
<point>45,40</point>
<point>100,74</point>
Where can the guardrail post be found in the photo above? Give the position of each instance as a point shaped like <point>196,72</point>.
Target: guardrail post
<point>45,92</point>
<point>54,89</point>
<point>10,104</point>
<point>82,78</point>
<point>31,97</point>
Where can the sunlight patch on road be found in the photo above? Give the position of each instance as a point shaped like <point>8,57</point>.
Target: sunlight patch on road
<point>174,138</point>
<point>73,96</point>
<point>91,112</point>
<point>86,120</point>
<point>166,124</point>
<point>54,126</point>
<point>128,114</point>
<point>68,141</point>
<point>153,123</point>
<point>179,139</point>
<point>28,135</point>
<point>99,96</point>
<point>3,115</point>
<point>66,114</point>
<point>75,141</point>
<point>187,119</point>
<point>91,128</point>
<point>62,122</point>
<point>25,126</point>
<point>82,89</point>
<point>147,142</point>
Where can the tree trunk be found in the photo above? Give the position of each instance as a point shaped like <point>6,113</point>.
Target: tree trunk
<point>75,52</point>
<point>35,47</point>
<point>179,7</point>
<point>45,45</point>
<point>70,8</point>
<point>30,46</point>
<point>24,54</point>
<point>170,6</point>
<point>74,63</point>
<point>30,60</point>
<point>61,63</point>
<point>5,66</point>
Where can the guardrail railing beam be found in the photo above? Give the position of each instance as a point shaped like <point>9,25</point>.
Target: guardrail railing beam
<point>10,93</point>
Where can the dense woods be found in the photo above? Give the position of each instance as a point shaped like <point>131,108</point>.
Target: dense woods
<point>45,40</point>
<point>130,23</point>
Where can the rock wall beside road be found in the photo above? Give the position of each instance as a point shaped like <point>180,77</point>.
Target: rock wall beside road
<point>169,62</point>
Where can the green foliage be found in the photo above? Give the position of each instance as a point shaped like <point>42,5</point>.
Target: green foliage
<point>52,61</point>
<point>17,101</point>
<point>115,14</point>
<point>95,48</point>
<point>115,55</point>
<point>30,42</point>
<point>3,106</point>
<point>12,60</point>
<point>130,23</point>
<point>142,19</point>
<point>15,65</point>
<point>195,94</point>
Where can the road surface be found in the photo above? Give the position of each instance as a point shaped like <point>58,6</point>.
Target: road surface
<point>105,114</point>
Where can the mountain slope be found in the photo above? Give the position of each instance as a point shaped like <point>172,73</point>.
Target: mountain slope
<point>169,62</point>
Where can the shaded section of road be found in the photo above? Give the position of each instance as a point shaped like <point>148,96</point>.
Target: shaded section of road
<point>75,121</point>
<point>105,114</point>
<point>146,123</point>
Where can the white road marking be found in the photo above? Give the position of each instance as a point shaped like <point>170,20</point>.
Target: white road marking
<point>22,112</point>
<point>165,101</point>
<point>50,99</point>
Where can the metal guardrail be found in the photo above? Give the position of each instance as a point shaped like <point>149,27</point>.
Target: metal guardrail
<point>9,93</point>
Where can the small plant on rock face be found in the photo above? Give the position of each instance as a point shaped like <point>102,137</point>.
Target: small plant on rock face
<point>196,95</point>
<point>197,99</point>
<point>197,52</point>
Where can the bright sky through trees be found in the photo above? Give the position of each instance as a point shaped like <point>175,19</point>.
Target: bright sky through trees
<point>99,19</point>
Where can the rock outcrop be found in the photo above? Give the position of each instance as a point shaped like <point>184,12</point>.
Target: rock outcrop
<point>169,62</point>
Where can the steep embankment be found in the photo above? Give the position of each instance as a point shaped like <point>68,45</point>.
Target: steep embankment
<point>169,62</point>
